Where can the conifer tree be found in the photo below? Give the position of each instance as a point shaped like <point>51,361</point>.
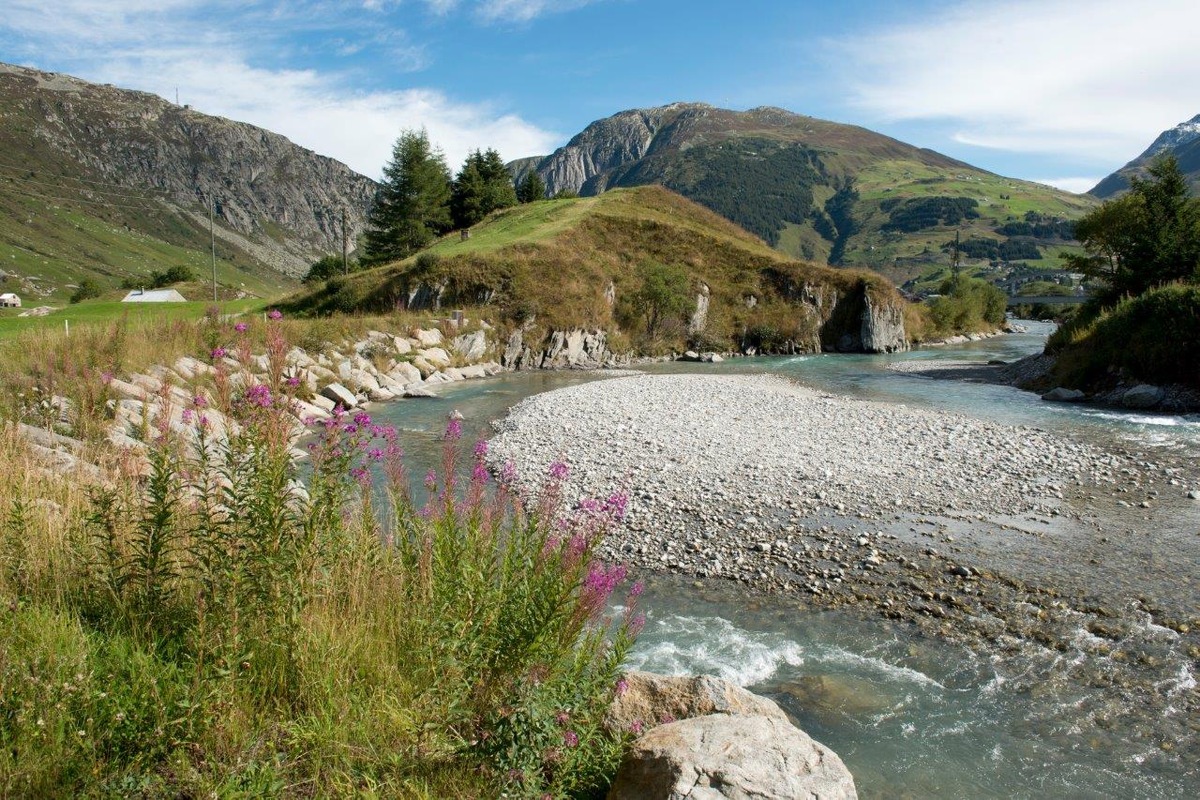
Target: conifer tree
<point>531,188</point>
<point>482,186</point>
<point>412,206</point>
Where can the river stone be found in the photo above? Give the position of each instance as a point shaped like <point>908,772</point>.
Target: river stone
<point>748,757</point>
<point>340,395</point>
<point>430,338</point>
<point>649,699</point>
<point>470,346</point>
<point>405,373</point>
<point>418,391</point>
<point>1142,396</point>
<point>1063,395</point>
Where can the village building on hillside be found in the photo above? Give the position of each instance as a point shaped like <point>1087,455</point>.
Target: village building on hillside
<point>155,296</point>
<point>9,300</point>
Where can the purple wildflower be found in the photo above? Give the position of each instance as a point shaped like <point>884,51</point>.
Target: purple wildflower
<point>106,377</point>
<point>218,352</point>
<point>274,313</point>
<point>635,727</point>
<point>571,739</point>
<point>241,327</point>
<point>431,480</point>
<point>636,590</point>
<point>187,416</point>
<point>259,395</point>
<point>293,381</point>
<point>453,430</point>
<point>508,473</point>
<point>376,454</point>
<point>481,448</point>
<point>199,401</point>
<point>559,471</point>
<point>479,474</point>
<point>204,421</point>
<point>362,419</point>
<point>562,718</point>
<point>359,474</point>
<point>616,504</point>
<point>622,686</point>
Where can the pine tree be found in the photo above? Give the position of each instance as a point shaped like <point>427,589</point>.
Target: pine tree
<point>482,186</point>
<point>531,188</point>
<point>412,206</point>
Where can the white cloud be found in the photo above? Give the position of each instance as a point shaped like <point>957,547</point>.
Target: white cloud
<point>524,10</point>
<point>161,45</point>
<point>1076,185</point>
<point>1093,81</point>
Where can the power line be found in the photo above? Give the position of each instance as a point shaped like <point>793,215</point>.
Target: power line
<point>40,196</point>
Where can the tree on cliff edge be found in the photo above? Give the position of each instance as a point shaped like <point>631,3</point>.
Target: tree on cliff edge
<point>412,206</point>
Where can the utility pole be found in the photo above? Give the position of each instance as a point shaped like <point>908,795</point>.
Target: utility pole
<point>212,236</point>
<point>955,265</point>
<point>345,261</point>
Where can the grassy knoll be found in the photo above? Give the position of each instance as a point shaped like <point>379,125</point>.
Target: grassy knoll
<point>583,263</point>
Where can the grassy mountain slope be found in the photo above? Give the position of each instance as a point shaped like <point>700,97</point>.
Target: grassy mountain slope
<point>814,189</point>
<point>101,182</point>
<point>563,264</point>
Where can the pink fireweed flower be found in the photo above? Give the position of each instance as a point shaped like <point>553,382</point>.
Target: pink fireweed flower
<point>431,480</point>
<point>636,590</point>
<point>453,430</point>
<point>479,474</point>
<point>616,505</point>
<point>622,686</point>
<point>274,313</point>
<point>508,473</point>
<point>635,727</point>
<point>636,624</point>
<point>293,381</point>
<point>219,352</point>
<point>481,448</point>
<point>106,377</point>
<point>362,419</point>
<point>241,327</point>
<point>204,421</point>
<point>570,739</point>
<point>375,454</point>
<point>259,395</point>
<point>187,416</point>
<point>559,471</point>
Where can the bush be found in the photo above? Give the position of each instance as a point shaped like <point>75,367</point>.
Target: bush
<point>967,305</point>
<point>1154,338</point>
<point>88,288</point>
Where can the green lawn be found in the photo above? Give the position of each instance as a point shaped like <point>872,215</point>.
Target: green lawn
<point>89,313</point>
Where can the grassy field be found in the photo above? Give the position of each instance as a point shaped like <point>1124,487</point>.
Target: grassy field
<point>91,313</point>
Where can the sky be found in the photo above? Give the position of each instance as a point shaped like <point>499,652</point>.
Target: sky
<point>1057,91</point>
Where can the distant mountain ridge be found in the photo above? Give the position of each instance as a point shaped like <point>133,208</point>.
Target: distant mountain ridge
<point>813,189</point>
<point>139,173</point>
<point>1183,141</point>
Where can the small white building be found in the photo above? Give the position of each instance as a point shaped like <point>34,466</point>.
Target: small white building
<point>9,300</point>
<point>154,296</point>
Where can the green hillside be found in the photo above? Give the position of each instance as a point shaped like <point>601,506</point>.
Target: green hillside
<point>822,191</point>
<point>586,262</point>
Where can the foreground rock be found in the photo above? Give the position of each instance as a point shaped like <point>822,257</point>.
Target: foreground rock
<point>716,740</point>
<point>731,756</point>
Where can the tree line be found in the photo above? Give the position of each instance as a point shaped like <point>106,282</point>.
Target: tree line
<point>420,200</point>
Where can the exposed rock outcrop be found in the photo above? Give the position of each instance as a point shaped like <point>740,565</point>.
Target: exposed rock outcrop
<point>576,348</point>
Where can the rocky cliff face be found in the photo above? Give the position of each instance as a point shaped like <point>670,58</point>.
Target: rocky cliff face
<point>1182,141</point>
<point>272,198</point>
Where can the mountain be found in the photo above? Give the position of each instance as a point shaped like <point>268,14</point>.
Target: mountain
<point>102,182</point>
<point>1183,141</point>
<point>819,190</point>
<point>648,268</point>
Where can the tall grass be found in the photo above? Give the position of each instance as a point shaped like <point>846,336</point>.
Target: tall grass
<point>225,622</point>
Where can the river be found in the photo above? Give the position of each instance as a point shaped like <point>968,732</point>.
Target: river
<point>912,714</point>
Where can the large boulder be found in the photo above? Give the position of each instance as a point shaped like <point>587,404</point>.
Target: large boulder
<point>1142,396</point>
<point>648,699</point>
<point>1061,394</point>
<point>740,756</point>
<point>340,395</point>
<point>429,338</point>
<point>405,373</point>
<point>471,346</point>
<point>436,356</point>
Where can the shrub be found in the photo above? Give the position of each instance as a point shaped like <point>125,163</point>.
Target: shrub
<point>88,288</point>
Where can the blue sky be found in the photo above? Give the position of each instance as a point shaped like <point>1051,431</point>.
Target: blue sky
<point>1060,91</point>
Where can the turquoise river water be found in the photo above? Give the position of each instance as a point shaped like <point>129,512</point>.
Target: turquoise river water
<point>910,714</point>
